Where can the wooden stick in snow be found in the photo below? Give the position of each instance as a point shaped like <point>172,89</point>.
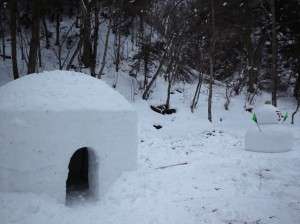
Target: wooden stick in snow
<point>172,165</point>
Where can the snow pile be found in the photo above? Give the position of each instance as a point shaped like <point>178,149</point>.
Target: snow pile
<point>268,135</point>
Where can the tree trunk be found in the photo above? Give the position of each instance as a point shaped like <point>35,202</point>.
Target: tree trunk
<point>211,68</point>
<point>146,64</point>
<point>211,60</point>
<point>46,32</point>
<point>297,85</point>
<point>274,54</point>
<point>13,34</point>
<point>118,57</point>
<point>148,87</point>
<point>87,44</point>
<point>75,53</point>
<point>297,108</point>
<point>3,45</point>
<point>57,28</point>
<point>3,37</point>
<point>250,69</point>
<point>297,95</point>
<point>118,53</point>
<point>103,62</point>
<point>96,36</point>
<point>197,94</point>
<point>35,37</point>
<point>2,30</point>
<point>170,79</point>
<point>40,55</point>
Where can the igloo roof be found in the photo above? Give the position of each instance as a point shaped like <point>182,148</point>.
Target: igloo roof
<point>266,114</point>
<point>60,91</point>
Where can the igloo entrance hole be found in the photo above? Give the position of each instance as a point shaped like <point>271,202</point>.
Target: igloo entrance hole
<point>78,185</point>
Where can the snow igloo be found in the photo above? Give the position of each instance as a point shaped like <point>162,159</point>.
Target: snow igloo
<point>269,135</point>
<point>64,133</point>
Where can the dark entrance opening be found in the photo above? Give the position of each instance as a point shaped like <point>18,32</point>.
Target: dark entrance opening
<point>77,185</point>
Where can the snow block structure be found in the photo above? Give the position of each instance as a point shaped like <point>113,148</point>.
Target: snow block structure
<point>269,135</point>
<point>64,132</point>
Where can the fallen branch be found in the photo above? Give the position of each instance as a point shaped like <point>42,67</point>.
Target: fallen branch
<point>177,164</point>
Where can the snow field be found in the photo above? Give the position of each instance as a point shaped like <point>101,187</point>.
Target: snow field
<point>221,182</point>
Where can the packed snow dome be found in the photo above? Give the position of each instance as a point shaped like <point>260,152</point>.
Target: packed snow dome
<point>64,133</point>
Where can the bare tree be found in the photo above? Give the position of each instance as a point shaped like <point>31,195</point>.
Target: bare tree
<point>297,96</point>
<point>13,34</point>
<point>35,37</point>
<point>57,27</point>
<point>86,55</point>
<point>296,110</point>
<point>197,93</point>
<point>95,36</point>
<point>148,87</point>
<point>211,59</point>
<point>2,17</point>
<point>103,62</point>
<point>46,32</point>
<point>274,54</point>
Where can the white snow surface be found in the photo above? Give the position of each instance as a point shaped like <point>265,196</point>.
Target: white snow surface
<point>53,91</point>
<point>269,138</point>
<point>220,183</point>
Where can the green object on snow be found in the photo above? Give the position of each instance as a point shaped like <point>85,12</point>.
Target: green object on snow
<point>285,116</point>
<point>254,118</point>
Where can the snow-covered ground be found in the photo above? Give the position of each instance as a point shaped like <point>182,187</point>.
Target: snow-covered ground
<point>214,179</point>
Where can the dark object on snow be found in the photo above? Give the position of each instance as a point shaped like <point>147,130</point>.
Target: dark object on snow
<point>177,164</point>
<point>210,134</point>
<point>250,109</point>
<point>170,111</point>
<point>157,126</point>
<point>157,109</point>
<point>162,109</point>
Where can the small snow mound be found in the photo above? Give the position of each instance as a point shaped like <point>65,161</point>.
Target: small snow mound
<point>267,114</point>
<point>272,138</point>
